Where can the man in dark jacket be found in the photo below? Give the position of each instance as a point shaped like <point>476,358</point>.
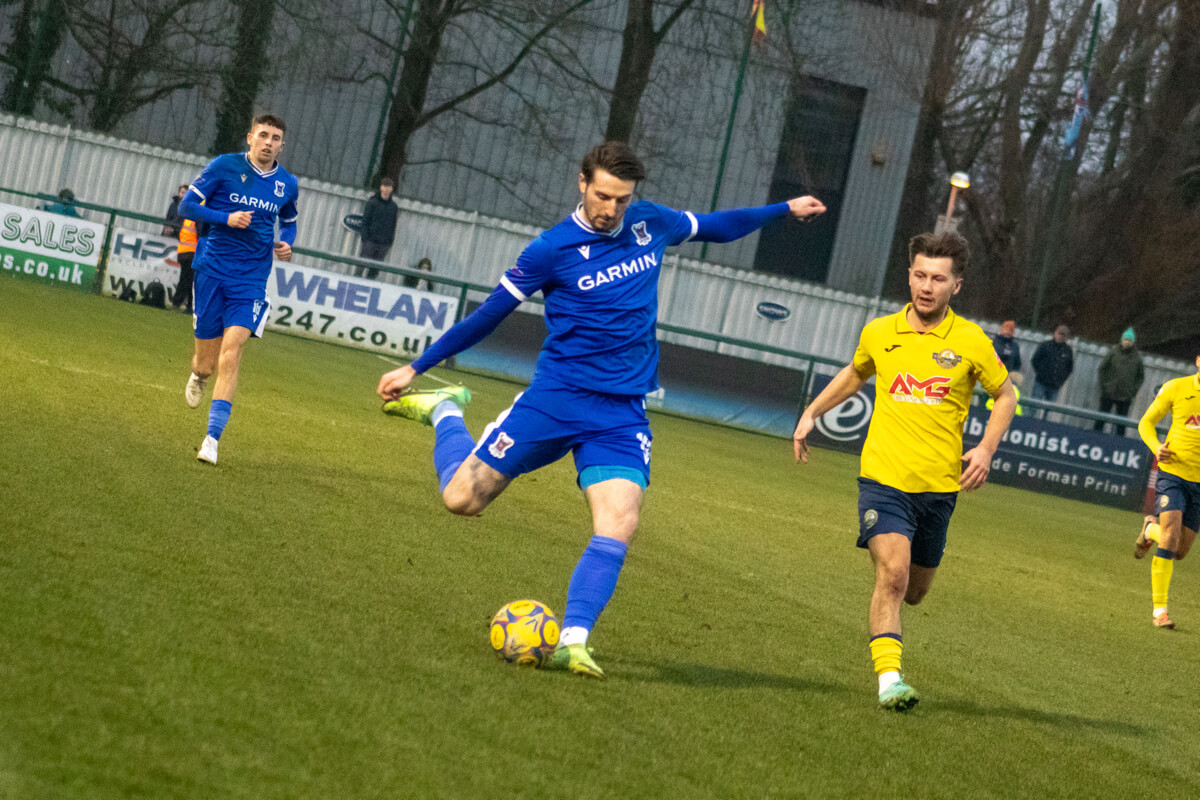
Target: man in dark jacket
<point>1121,375</point>
<point>1052,364</point>
<point>1007,349</point>
<point>378,227</point>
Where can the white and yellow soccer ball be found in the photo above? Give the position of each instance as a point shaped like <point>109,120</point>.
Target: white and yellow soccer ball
<point>524,632</point>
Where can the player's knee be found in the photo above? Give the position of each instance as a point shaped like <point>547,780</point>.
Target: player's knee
<point>462,501</point>
<point>894,580</point>
<point>915,594</point>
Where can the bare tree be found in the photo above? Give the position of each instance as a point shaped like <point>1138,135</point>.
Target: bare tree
<point>243,76</point>
<point>639,44</point>
<point>38,31</point>
<point>517,24</point>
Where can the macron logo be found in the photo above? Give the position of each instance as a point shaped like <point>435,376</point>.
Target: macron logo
<point>586,251</point>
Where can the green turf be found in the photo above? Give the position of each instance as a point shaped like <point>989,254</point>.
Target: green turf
<point>305,621</point>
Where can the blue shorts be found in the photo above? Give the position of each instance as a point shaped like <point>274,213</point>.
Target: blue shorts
<point>546,422</point>
<point>922,517</point>
<point>1177,494</point>
<point>219,305</point>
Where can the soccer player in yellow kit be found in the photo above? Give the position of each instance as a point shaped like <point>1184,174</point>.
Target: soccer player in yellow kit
<point>926,360</point>
<point>1178,502</point>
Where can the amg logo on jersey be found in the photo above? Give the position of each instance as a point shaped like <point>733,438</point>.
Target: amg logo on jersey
<point>618,271</point>
<point>907,388</point>
<point>1193,422</point>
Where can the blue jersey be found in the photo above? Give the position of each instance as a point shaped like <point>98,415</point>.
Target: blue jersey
<point>233,183</point>
<point>601,290</point>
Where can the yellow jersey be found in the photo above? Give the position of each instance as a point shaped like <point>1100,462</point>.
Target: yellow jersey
<point>1181,399</point>
<point>923,388</point>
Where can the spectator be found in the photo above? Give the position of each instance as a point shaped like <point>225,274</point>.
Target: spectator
<point>1121,375</point>
<point>1007,349</point>
<point>172,222</point>
<point>1052,364</point>
<point>188,240</point>
<point>378,227</point>
<point>420,284</point>
<point>65,204</point>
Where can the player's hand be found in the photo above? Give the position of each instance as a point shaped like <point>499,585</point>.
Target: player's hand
<point>393,383</point>
<point>806,207</point>
<point>800,437</point>
<point>1164,454</point>
<point>978,463</point>
<point>283,251</point>
<point>239,219</point>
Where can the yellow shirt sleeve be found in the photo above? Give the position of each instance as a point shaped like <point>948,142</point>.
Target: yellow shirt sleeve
<point>989,370</point>
<point>864,364</point>
<point>1157,410</point>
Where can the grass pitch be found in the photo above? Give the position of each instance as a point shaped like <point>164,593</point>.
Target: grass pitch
<point>305,621</point>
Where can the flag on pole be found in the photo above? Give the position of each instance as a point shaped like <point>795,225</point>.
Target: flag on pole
<point>1082,114</point>
<point>760,22</point>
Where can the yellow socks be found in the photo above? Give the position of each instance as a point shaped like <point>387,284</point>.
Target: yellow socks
<point>1161,567</point>
<point>885,652</point>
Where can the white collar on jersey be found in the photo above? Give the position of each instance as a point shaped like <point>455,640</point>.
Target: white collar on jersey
<point>582,222</point>
<point>253,166</point>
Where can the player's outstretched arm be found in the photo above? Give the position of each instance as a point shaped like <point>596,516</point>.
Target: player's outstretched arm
<point>977,462</point>
<point>843,385</point>
<point>468,332</point>
<point>726,226</point>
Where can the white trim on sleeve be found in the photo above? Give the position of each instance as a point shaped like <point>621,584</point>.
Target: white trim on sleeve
<point>695,226</point>
<point>513,290</point>
<point>203,196</point>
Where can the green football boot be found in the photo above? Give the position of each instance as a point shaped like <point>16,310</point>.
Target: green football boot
<point>419,405</point>
<point>898,697</point>
<point>576,658</point>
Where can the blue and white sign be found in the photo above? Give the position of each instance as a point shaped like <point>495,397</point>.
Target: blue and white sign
<point>353,223</point>
<point>357,311</point>
<point>1035,454</point>
<point>773,312</point>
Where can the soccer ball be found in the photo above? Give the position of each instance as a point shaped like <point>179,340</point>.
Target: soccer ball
<point>524,632</point>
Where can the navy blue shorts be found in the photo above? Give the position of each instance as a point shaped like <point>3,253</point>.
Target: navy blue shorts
<point>547,422</point>
<point>1177,494</point>
<point>219,305</point>
<point>922,517</point>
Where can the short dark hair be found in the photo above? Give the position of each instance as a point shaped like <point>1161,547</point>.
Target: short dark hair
<point>947,244</point>
<point>615,158</point>
<point>269,119</point>
<point>66,196</point>
<point>386,181</point>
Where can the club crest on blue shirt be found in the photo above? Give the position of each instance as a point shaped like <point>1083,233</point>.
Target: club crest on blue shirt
<point>947,359</point>
<point>501,445</point>
<point>279,188</point>
<point>639,230</point>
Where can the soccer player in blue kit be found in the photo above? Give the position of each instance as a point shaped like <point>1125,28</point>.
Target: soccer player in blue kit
<point>240,195</point>
<point>598,270</point>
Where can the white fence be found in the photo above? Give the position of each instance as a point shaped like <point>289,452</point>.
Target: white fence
<point>36,157</point>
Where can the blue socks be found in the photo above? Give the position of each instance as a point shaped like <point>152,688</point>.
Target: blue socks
<point>218,417</point>
<point>593,581</point>
<point>452,445</point>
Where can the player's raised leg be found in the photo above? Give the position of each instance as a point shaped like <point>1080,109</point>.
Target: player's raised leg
<point>891,555</point>
<point>229,363</point>
<point>616,506</point>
